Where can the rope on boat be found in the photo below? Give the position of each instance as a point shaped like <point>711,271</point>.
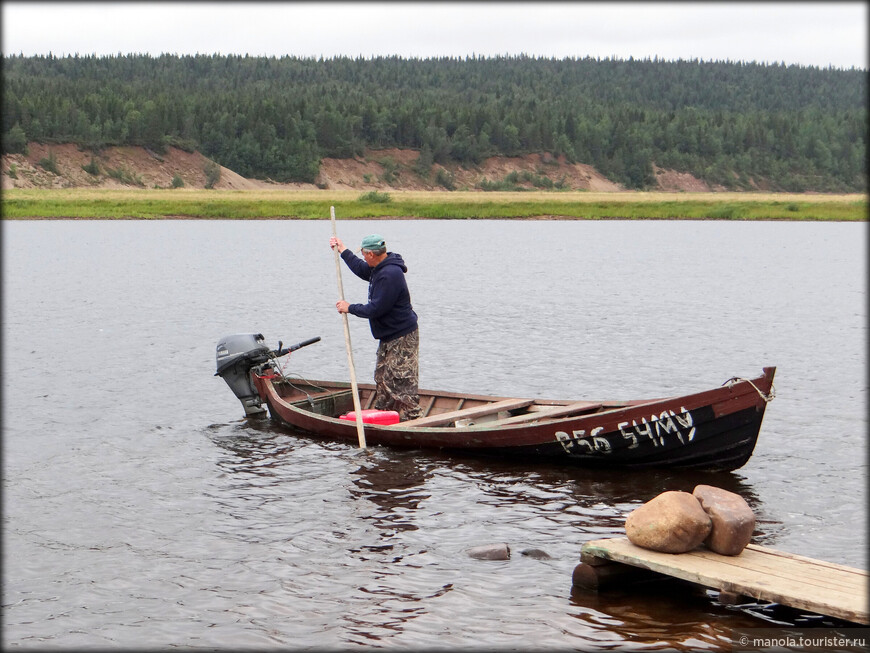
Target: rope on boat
<point>306,381</point>
<point>767,397</point>
<point>286,379</point>
<point>284,366</point>
<point>277,367</point>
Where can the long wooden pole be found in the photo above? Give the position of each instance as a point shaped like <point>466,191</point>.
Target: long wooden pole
<point>360,431</point>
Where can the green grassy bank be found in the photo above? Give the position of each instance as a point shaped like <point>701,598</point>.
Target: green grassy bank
<point>308,205</point>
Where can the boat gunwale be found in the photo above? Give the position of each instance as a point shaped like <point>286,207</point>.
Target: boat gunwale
<point>611,413</point>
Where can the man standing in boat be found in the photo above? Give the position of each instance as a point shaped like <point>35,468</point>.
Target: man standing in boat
<point>392,320</point>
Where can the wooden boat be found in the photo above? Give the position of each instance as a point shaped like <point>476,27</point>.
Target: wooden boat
<point>714,429</point>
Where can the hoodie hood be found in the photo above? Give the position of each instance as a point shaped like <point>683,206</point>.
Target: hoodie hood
<point>393,259</point>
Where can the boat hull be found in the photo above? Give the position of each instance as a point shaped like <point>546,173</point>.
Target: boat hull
<point>715,429</point>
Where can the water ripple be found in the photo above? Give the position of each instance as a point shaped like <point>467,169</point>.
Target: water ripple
<point>140,510</point>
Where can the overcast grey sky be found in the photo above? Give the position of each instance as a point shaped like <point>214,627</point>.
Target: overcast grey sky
<point>804,33</point>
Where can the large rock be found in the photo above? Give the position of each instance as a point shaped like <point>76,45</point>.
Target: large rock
<point>733,519</point>
<point>672,522</point>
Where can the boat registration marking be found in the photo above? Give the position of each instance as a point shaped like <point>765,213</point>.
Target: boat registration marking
<point>668,423</point>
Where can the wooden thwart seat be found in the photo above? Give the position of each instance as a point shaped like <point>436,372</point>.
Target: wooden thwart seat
<point>315,396</point>
<point>550,412</point>
<point>467,413</point>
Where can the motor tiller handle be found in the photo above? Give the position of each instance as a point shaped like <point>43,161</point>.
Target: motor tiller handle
<point>282,352</point>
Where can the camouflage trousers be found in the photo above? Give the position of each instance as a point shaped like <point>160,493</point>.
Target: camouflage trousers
<point>397,376</point>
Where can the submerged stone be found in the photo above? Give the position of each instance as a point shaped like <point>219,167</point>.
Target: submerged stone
<point>490,552</point>
<point>537,554</point>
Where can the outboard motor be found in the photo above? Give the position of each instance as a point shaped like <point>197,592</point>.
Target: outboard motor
<point>236,355</point>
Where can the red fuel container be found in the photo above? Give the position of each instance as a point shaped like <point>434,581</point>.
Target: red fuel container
<point>384,417</point>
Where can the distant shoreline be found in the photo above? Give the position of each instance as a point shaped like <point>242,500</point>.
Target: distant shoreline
<point>188,204</point>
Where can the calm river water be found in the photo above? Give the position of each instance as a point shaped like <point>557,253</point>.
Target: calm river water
<point>140,510</point>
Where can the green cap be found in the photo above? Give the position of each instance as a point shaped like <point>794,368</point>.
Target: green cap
<point>373,242</point>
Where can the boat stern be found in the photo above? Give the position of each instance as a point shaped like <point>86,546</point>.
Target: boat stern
<point>235,356</point>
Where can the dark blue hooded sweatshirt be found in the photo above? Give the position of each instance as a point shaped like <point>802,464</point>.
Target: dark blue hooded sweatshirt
<point>389,310</point>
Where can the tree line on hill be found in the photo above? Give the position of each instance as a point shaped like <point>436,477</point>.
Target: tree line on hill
<point>729,123</point>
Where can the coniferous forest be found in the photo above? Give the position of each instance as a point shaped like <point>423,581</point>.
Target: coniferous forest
<point>731,124</point>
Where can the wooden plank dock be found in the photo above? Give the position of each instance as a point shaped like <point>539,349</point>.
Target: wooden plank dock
<point>759,572</point>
